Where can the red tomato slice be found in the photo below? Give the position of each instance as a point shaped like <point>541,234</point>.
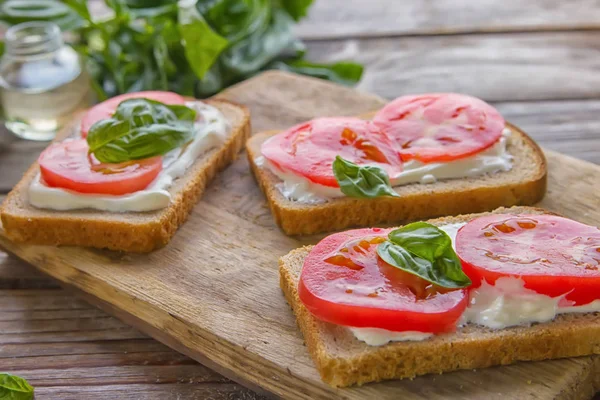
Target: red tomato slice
<point>440,127</point>
<point>309,149</point>
<point>69,166</point>
<point>107,108</point>
<point>343,281</point>
<point>553,255</point>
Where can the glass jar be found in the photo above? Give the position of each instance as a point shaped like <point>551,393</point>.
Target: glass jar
<point>42,81</point>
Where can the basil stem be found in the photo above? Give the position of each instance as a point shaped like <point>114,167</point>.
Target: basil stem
<point>362,181</point>
<point>424,250</point>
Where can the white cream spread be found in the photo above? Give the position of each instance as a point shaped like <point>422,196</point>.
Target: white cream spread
<point>211,130</point>
<point>506,303</point>
<point>379,337</point>
<point>495,159</point>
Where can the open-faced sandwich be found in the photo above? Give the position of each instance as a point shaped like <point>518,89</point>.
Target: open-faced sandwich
<point>129,176</point>
<point>418,157</point>
<point>453,293</point>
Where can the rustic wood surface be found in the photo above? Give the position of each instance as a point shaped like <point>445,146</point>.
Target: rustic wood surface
<point>538,63</point>
<point>213,292</point>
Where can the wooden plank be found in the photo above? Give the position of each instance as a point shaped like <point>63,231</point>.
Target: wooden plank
<point>67,360</point>
<point>358,18</point>
<point>495,67</point>
<point>16,274</point>
<point>213,292</point>
<point>148,392</point>
<point>569,127</point>
<point>15,157</point>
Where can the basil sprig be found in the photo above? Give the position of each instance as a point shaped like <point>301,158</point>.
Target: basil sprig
<point>363,181</point>
<point>14,387</point>
<point>141,128</point>
<point>424,250</point>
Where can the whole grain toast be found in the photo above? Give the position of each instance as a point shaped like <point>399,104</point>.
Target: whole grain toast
<point>138,232</point>
<point>342,360</point>
<point>524,184</point>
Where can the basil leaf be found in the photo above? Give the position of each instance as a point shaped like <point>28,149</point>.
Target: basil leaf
<point>210,44</point>
<point>13,387</point>
<point>424,250</point>
<point>296,8</point>
<point>145,142</point>
<point>201,43</point>
<point>141,128</point>
<point>366,181</point>
<point>345,73</point>
<point>422,239</point>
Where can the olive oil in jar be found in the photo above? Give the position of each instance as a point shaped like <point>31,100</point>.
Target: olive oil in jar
<point>42,81</point>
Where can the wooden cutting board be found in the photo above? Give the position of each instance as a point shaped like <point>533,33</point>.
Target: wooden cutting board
<point>213,292</point>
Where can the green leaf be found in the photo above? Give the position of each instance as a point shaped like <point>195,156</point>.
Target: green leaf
<point>202,44</point>
<point>426,251</point>
<point>296,8</point>
<point>422,239</point>
<point>345,73</point>
<point>141,128</point>
<point>13,387</point>
<point>80,7</point>
<point>210,44</point>
<point>362,181</point>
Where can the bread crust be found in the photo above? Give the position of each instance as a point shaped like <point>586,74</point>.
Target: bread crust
<point>138,232</point>
<point>525,184</point>
<point>342,360</point>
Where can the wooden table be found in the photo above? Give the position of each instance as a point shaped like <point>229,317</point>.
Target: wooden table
<point>537,61</point>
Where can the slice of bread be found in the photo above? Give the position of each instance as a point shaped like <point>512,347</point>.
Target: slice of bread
<point>342,360</point>
<point>524,184</point>
<point>138,232</point>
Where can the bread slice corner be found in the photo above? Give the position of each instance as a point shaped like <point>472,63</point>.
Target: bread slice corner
<point>342,360</point>
<point>138,232</point>
<point>524,184</point>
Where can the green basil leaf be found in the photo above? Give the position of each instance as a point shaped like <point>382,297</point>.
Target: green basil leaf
<point>345,73</point>
<point>13,387</point>
<point>296,8</point>
<point>141,128</point>
<point>424,250</point>
<point>145,142</point>
<point>80,7</point>
<point>201,43</point>
<point>363,181</point>
<point>422,239</point>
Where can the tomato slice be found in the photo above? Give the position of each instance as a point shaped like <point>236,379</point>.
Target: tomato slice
<point>69,166</point>
<point>553,255</point>
<point>440,127</point>
<point>107,108</point>
<point>343,281</point>
<point>309,149</point>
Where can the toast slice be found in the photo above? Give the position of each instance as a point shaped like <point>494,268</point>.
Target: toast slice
<point>137,232</point>
<point>342,360</point>
<point>524,184</point>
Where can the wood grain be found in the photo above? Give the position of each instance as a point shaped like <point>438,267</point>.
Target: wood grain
<point>68,349</point>
<point>333,19</point>
<point>494,67</point>
<point>213,292</point>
